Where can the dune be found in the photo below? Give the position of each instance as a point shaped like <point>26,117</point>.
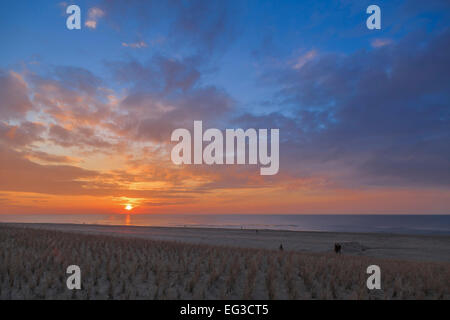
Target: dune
<point>137,263</point>
<point>391,246</point>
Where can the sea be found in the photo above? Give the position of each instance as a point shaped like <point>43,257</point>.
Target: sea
<point>398,224</point>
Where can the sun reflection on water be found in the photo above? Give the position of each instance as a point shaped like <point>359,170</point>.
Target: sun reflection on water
<point>128,220</point>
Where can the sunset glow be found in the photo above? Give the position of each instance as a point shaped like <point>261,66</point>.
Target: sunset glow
<point>86,116</point>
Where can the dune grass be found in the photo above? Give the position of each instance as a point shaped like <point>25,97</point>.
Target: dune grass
<point>33,264</point>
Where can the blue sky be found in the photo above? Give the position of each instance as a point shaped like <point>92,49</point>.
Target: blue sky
<point>358,110</point>
<point>264,32</point>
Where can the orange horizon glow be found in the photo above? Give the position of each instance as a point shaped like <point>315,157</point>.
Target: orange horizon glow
<point>260,201</point>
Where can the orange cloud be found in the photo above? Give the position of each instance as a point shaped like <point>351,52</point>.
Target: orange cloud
<point>94,14</point>
<point>89,149</point>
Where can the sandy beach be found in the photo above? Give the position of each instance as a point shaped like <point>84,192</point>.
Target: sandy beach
<point>122,262</point>
<point>378,245</point>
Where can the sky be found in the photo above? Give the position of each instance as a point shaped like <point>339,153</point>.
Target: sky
<point>86,115</point>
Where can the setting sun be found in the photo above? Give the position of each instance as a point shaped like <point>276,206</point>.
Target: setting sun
<point>128,207</point>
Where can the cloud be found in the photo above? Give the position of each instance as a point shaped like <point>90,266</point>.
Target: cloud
<point>79,119</point>
<point>372,117</point>
<point>72,97</point>
<point>378,43</point>
<point>165,94</point>
<point>75,78</point>
<point>94,14</point>
<point>135,45</point>
<point>21,135</point>
<point>202,26</point>
<point>20,174</point>
<point>308,56</point>
<point>50,158</point>
<point>15,102</point>
<point>160,74</point>
<point>78,137</point>
<point>366,119</point>
<point>91,24</point>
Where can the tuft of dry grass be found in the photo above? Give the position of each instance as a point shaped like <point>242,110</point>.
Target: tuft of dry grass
<point>33,264</point>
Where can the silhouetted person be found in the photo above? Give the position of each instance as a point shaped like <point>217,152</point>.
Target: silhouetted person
<point>337,248</point>
<point>281,247</point>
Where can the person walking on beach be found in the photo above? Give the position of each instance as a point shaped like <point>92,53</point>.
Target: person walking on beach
<point>337,248</point>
